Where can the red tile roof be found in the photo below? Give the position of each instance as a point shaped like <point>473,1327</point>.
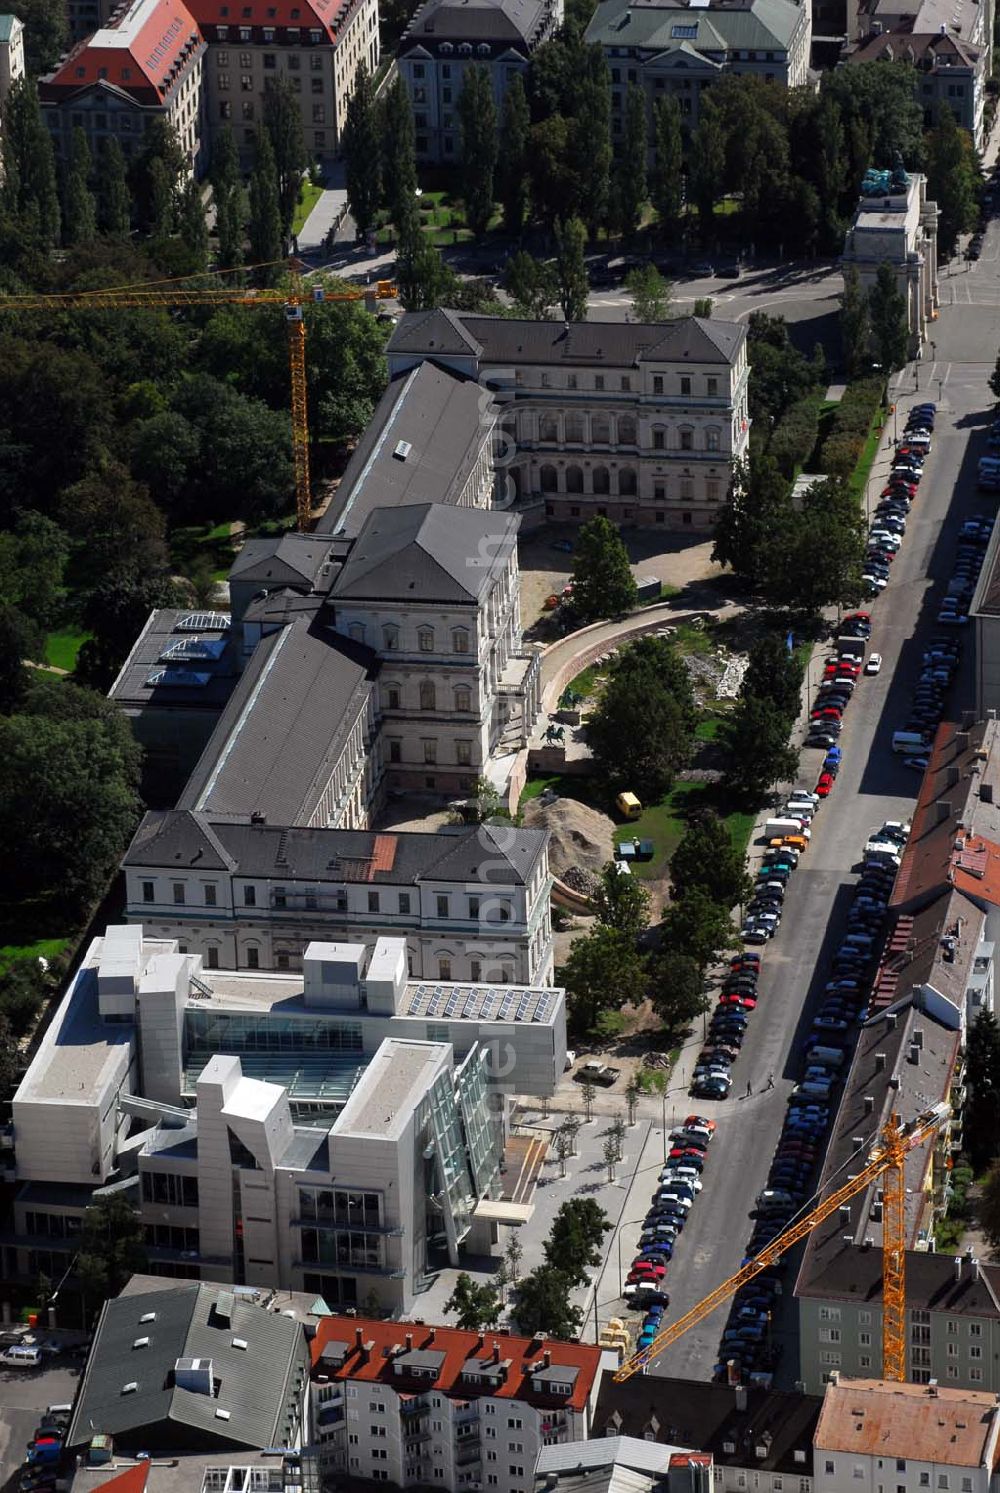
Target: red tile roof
<point>305,15</point>
<point>458,1346</point>
<point>132,1480</point>
<point>136,51</point>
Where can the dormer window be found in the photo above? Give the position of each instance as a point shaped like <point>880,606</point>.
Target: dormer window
<point>222,32</point>
<point>483,49</point>
<point>446,48</point>
<point>465,50</point>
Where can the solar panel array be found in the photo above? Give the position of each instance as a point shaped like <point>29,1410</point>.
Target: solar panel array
<point>480,1003</point>
<point>177,679</point>
<point>188,648</point>
<point>203,622</point>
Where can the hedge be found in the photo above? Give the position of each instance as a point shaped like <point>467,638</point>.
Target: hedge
<point>796,434</point>
<point>850,426</point>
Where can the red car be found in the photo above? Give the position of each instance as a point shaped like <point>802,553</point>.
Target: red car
<point>642,1266</point>
<point>858,617</point>
<point>748,1002</point>
<point>825,784</point>
<point>826,713</point>
<point>698,1122</point>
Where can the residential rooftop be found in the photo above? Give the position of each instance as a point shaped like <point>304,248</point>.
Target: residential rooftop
<point>360,1349</point>
<point>505,22</point>
<point>935,946</point>
<point>920,1422</point>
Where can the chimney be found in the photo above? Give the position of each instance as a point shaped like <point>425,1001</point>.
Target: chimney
<point>844,1213</point>
<point>368,1349</point>
<point>869,1104</point>
<point>951,777</point>
<point>913,1056</point>
<point>974,1267</point>
<point>918,1036</point>
<point>496,1351</point>
<point>359,1337</point>
<point>835,1376</point>
<point>432,1334</point>
<point>880,1062</point>
<point>942,810</point>
<point>891,1017</point>
<point>986,793</point>
<point>409,1341</point>
<point>958,1268</point>
<point>480,1341</point>
<point>741,1398</point>
<point>932,1388</point>
<point>546,1359</point>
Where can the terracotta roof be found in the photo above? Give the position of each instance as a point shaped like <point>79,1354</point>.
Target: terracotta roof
<point>952,1427</point>
<point>925,51</point>
<point>447,1350</point>
<point>935,947</point>
<point>139,51</point>
<point>305,15</point>
<point>132,1480</point>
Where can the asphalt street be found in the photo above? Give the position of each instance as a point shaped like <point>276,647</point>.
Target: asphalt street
<point>873,785</point>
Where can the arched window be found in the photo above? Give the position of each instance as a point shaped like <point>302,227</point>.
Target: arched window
<point>602,480</point>
<point>626,430</point>
<point>463,697</point>
<point>712,434</point>
<point>548,428</point>
<point>600,430</point>
<point>425,638</point>
<point>390,637</point>
<point>574,429</point>
<point>428,695</point>
<point>574,479</point>
<point>626,482</point>
<point>548,479</point>
<point>460,640</point>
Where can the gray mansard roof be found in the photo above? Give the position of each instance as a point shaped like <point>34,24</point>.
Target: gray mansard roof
<point>494,339</point>
<point>256,1384</point>
<point>426,552</point>
<point>179,838</point>
<point>283,729</point>
<point>518,23</point>
<point>436,413</point>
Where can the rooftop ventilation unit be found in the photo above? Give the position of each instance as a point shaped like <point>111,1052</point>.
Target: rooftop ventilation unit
<point>148,1317</point>
<point>222,1415</point>
<point>240,1342</point>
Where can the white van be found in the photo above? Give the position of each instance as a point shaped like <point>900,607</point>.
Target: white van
<point>911,743</point>
<point>21,1358</point>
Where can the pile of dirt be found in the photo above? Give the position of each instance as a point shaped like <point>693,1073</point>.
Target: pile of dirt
<point>581,838</point>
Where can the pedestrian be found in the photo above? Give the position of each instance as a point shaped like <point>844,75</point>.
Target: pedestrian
<point>749,1090</point>
<point>770,1081</point>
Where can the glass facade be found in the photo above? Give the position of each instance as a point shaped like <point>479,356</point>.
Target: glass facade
<point>338,1247</point>
<point>334,1205</point>
<point>170,1187</point>
<point>483,1135</point>
<point>315,1058</point>
<point>455,1189</point>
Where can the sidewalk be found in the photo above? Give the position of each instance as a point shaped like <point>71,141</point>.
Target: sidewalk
<point>328,211</point>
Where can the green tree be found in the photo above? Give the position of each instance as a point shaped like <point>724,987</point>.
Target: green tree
<point>676,988</point>
<point>543,1305</point>
<point>399,161</point>
<point>602,577</point>
<point>114,205</point>
<point>630,170</point>
<point>649,293</point>
<point>994,379</point>
<point>756,508</point>
<point>759,754</point>
<point>855,325</point>
<point>702,307</point>
<point>890,327</point>
<point>773,673</point>
<point>880,113</point>
<point>68,802</point>
<point>953,179</point>
<point>831,529</point>
<point>706,859</point>
<point>621,902</point>
<point>11,1064</point>
<point>982,1105</point>
<point>264,227</point>
<point>477,117</point>
<point>24,988</point>
<point>576,1238</point>
<point>667,181</point>
<point>245,466</point>
<point>424,279</point>
<point>228,196</point>
<point>641,731</point>
<point>20,639</point>
<point>473,1306</point>
<point>706,162</point>
<point>588,157</point>
<point>157,174</point>
<point>191,224</point>
<point>123,531</point>
<point>362,163</point>
<point>533,286</point>
<point>79,207</point>
<point>574,287</point>
<point>112,1249</point>
<point>46,33</point>
<point>696,925</point>
<point>29,174</point>
<point>162,200</point>
<point>989,1206</point>
<point>283,123</point>
<point>33,556</point>
<point>164,453</point>
<point>513,166</point>
<point>603,970</point>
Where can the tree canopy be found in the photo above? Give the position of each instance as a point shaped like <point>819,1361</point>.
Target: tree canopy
<point>543,1305</point>
<point>473,1306</point>
<point>641,731</point>
<point>602,576</point>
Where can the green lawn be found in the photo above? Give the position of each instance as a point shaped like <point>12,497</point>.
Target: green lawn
<point>858,479</point>
<point>196,542</point>
<point>43,948</point>
<point>61,649</point>
<point>664,823</point>
<point>308,198</point>
<point>583,684</point>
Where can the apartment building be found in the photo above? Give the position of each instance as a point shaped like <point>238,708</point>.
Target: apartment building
<point>317,45</point>
<point>744,1436</point>
<point>471,903</point>
<point>875,1435</point>
<point>899,227</point>
<point>952,70</point>
<point>638,422</point>
<point>445,37</point>
<point>984,615</point>
<point>144,64</point>
<point>188,1368</point>
<point>11,54</point>
<point>409,1404</point>
<point>679,48</point>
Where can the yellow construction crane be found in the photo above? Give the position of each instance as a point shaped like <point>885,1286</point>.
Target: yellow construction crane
<point>171,294</point>
<point>886,1161</point>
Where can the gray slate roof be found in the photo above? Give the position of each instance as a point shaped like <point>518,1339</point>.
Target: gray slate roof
<point>437,413</point>
<point>281,732</point>
<point>758,25</point>
<point>284,560</point>
<point>255,1384</point>
<point>510,21</point>
<point>426,552</point>
<point>615,344</point>
<point>177,837</point>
